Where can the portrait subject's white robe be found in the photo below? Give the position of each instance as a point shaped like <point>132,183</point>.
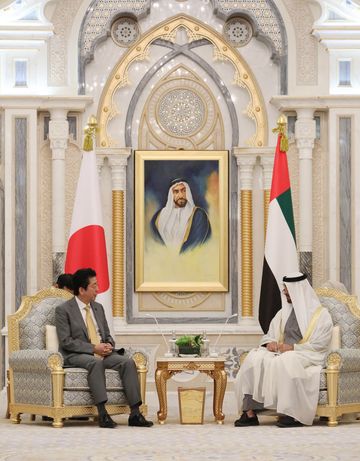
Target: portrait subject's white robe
<point>173,221</point>
<point>287,382</point>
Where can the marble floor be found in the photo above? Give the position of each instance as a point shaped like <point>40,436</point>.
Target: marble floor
<point>38,441</point>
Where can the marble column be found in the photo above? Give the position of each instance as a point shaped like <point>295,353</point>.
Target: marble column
<point>118,163</point>
<point>246,165</point>
<point>20,227</point>
<point>58,136</point>
<point>267,163</point>
<point>305,132</point>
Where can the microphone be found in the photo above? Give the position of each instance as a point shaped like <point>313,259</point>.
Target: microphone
<point>214,353</point>
<point>168,353</point>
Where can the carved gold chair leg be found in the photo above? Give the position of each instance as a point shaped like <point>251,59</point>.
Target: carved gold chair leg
<point>332,376</point>
<point>332,420</point>
<point>58,422</point>
<point>15,418</point>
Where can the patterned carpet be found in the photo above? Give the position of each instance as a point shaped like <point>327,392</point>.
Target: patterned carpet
<point>38,441</point>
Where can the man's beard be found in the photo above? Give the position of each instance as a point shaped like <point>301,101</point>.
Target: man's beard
<point>181,202</point>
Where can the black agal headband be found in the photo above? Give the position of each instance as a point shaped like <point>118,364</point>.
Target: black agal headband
<point>295,279</point>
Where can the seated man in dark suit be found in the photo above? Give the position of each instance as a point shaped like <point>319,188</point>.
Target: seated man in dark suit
<point>85,342</point>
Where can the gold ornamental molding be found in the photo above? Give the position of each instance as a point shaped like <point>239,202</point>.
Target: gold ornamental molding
<point>267,194</point>
<point>118,245</point>
<point>196,30</point>
<point>350,300</point>
<point>246,254</point>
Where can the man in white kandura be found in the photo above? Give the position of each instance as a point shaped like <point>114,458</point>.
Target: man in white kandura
<point>283,374</point>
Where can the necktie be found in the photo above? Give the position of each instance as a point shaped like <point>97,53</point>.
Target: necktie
<point>92,333</point>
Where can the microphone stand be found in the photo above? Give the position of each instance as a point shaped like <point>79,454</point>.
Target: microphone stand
<point>168,353</point>
<point>214,353</point>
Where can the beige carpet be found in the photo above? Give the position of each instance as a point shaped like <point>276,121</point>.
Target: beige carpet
<point>38,441</point>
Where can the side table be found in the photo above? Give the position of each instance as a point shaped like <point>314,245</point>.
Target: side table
<point>169,366</point>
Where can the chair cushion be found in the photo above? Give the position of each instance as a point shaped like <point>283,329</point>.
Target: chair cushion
<point>335,342</point>
<point>51,338</point>
<point>76,380</point>
<point>81,398</point>
<point>77,392</point>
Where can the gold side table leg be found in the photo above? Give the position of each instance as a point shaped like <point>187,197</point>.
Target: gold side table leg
<point>220,381</point>
<point>161,376</point>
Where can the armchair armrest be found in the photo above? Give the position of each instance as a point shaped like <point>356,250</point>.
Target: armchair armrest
<point>31,360</point>
<point>346,360</point>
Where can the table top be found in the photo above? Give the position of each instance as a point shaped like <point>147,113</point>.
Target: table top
<point>191,359</point>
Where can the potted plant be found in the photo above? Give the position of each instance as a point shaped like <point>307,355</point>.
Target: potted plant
<point>189,344</point>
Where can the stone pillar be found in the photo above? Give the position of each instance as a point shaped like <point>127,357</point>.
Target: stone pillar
<point>58,136</point>
<point>246,165</point>
<point>118,162</point>
<point>305,132</point>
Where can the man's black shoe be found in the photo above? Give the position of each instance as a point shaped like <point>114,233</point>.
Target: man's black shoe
<point>288,421</point>
<point>245,420</point>
<point>139,421</point>
<point>105,420</point>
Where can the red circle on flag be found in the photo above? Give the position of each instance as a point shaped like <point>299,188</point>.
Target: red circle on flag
<point>87,248</point>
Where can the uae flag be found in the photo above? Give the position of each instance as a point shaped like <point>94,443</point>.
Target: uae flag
<point>87,245</point>
<point>280,246</point>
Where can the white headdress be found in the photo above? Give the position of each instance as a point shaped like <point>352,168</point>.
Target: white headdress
<point>172,222</point>
<point>303,297</point>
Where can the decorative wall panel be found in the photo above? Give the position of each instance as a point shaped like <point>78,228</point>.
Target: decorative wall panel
<point>181,113</point>
<point>58,60</point>
<point>306,44</point>
<point>21,146</point>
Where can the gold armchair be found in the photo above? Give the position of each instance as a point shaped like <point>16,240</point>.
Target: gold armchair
<point>38,382</point>
<point>340,379</point>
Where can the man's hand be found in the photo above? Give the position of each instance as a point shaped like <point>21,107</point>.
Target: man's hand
<point>103,349</point>
<point>272,347</point>
<point>285,347</point>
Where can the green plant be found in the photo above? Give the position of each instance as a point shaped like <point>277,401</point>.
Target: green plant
<point>194,341</point>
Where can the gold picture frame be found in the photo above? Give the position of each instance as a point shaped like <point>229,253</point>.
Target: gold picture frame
<point>181,221</point>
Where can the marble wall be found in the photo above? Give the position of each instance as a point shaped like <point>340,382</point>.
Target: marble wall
<point>21,141</point>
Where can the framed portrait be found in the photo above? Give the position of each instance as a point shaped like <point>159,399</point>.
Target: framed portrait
<point>181,221</point>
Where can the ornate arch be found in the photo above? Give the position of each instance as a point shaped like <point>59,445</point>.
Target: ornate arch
<point>196,30</point>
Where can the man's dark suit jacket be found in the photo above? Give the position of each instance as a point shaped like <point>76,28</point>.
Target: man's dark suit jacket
<point>72,331</point>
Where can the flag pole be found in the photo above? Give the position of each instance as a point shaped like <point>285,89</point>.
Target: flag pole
<point>90,131</point>
<point>282,130</point>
